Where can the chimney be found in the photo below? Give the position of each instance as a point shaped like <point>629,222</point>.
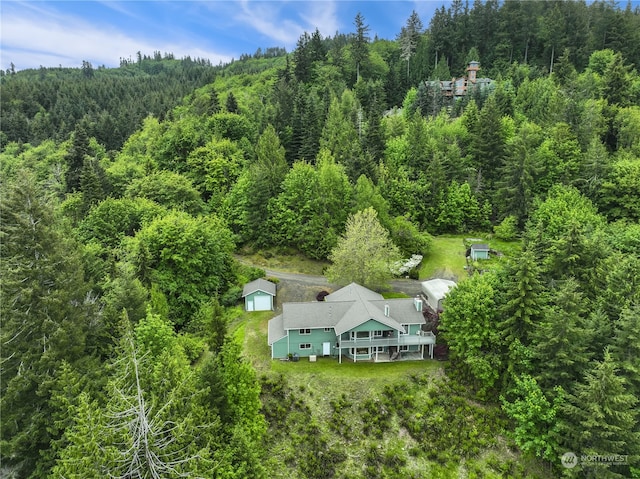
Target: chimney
<point>386,310</point>
<point>418,303</point>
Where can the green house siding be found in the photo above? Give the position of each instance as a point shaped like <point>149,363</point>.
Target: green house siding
<point>371,325</point>
<point>258,301</point>
<point>414,328</point>
<point>279,349</point>
<point>480,255</point>
<point>316,339</point>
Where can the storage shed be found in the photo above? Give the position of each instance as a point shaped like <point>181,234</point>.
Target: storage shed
<point>258,295</point>
<point>479,251</point>
<point>435,290</point>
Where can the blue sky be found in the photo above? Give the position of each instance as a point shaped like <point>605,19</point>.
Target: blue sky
<point>53,33</point>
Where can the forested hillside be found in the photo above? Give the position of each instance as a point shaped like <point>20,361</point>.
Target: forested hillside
<point>127,194</point>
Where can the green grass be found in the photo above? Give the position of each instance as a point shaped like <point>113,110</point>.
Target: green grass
<point>446,259</point>
<point>285,259</point>
<point>393,294</point>
<point>447,256</point>
<point>330,368</point>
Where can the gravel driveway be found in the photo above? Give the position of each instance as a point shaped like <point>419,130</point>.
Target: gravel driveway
<point>294,287</point>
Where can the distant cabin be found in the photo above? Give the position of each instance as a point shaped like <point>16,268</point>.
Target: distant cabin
<point>258,295</point>
<point>461,86</point>
<point>434,290</point>
<point>479,251</point>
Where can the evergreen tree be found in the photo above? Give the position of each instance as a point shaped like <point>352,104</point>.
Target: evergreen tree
<point>265,181</point>
<point>625,347</point>
<point>232,104</point>
<point>522,301</point>
<point>601,418</point>
<point>302,59</point>
<point>92,184</point>
<point>409,38</point>
<point>360,44</point>
<point>44,319</point>
<point>75,158</point>
<point>521,169</point>
<point>340,136</point>
<point>616,82</point>
<point>488,143</point>
<point>562,339</point>
<point>522,304</point>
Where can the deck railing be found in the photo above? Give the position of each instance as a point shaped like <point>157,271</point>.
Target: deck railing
<point>424,337</point>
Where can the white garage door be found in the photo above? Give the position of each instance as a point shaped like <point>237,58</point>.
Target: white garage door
<point>262,303</point>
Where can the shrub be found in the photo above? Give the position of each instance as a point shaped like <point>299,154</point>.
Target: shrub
<point>507,230</point>
<point>192,346</point>
<point>232,296</point>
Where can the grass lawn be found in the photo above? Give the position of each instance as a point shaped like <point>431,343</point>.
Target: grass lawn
<point>445,260</point>
<point>447,256</point>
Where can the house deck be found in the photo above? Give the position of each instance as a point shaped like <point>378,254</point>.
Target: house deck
<point>404,340</point>
<point>385,358</point>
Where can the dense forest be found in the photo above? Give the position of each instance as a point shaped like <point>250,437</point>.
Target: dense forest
<point>128,192</point>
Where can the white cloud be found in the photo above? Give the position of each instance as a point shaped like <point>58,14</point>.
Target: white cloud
<point>267,19</point>
<point>323,16</point>
<point>36,36</point>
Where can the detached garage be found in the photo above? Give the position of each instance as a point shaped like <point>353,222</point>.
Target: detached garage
<point>258,295</point>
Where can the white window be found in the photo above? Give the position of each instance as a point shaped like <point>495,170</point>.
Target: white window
<point>362,334</point>
<point>377,334</point>
<point>405,327</point>
<point>305,346</point>
<point>404,348</point>
<point>328,330</point>
<point>378,349</point>
<point>305,331</point>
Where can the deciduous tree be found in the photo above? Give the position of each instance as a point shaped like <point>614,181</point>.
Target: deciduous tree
<point>188,258</point>
<point>364,254</point>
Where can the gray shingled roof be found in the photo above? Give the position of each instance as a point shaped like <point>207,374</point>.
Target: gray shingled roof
<point>276,330</point>
<point>259,285</point>
<point>352,292</point>
<point>347,308</point>
<point>480,247</point>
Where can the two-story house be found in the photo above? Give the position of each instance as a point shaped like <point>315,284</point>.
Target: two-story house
<point>353,322</point>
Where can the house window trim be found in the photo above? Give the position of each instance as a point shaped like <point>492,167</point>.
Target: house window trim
<point>304,346</point>
<point>304,331</point>
<point>328,330</point>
